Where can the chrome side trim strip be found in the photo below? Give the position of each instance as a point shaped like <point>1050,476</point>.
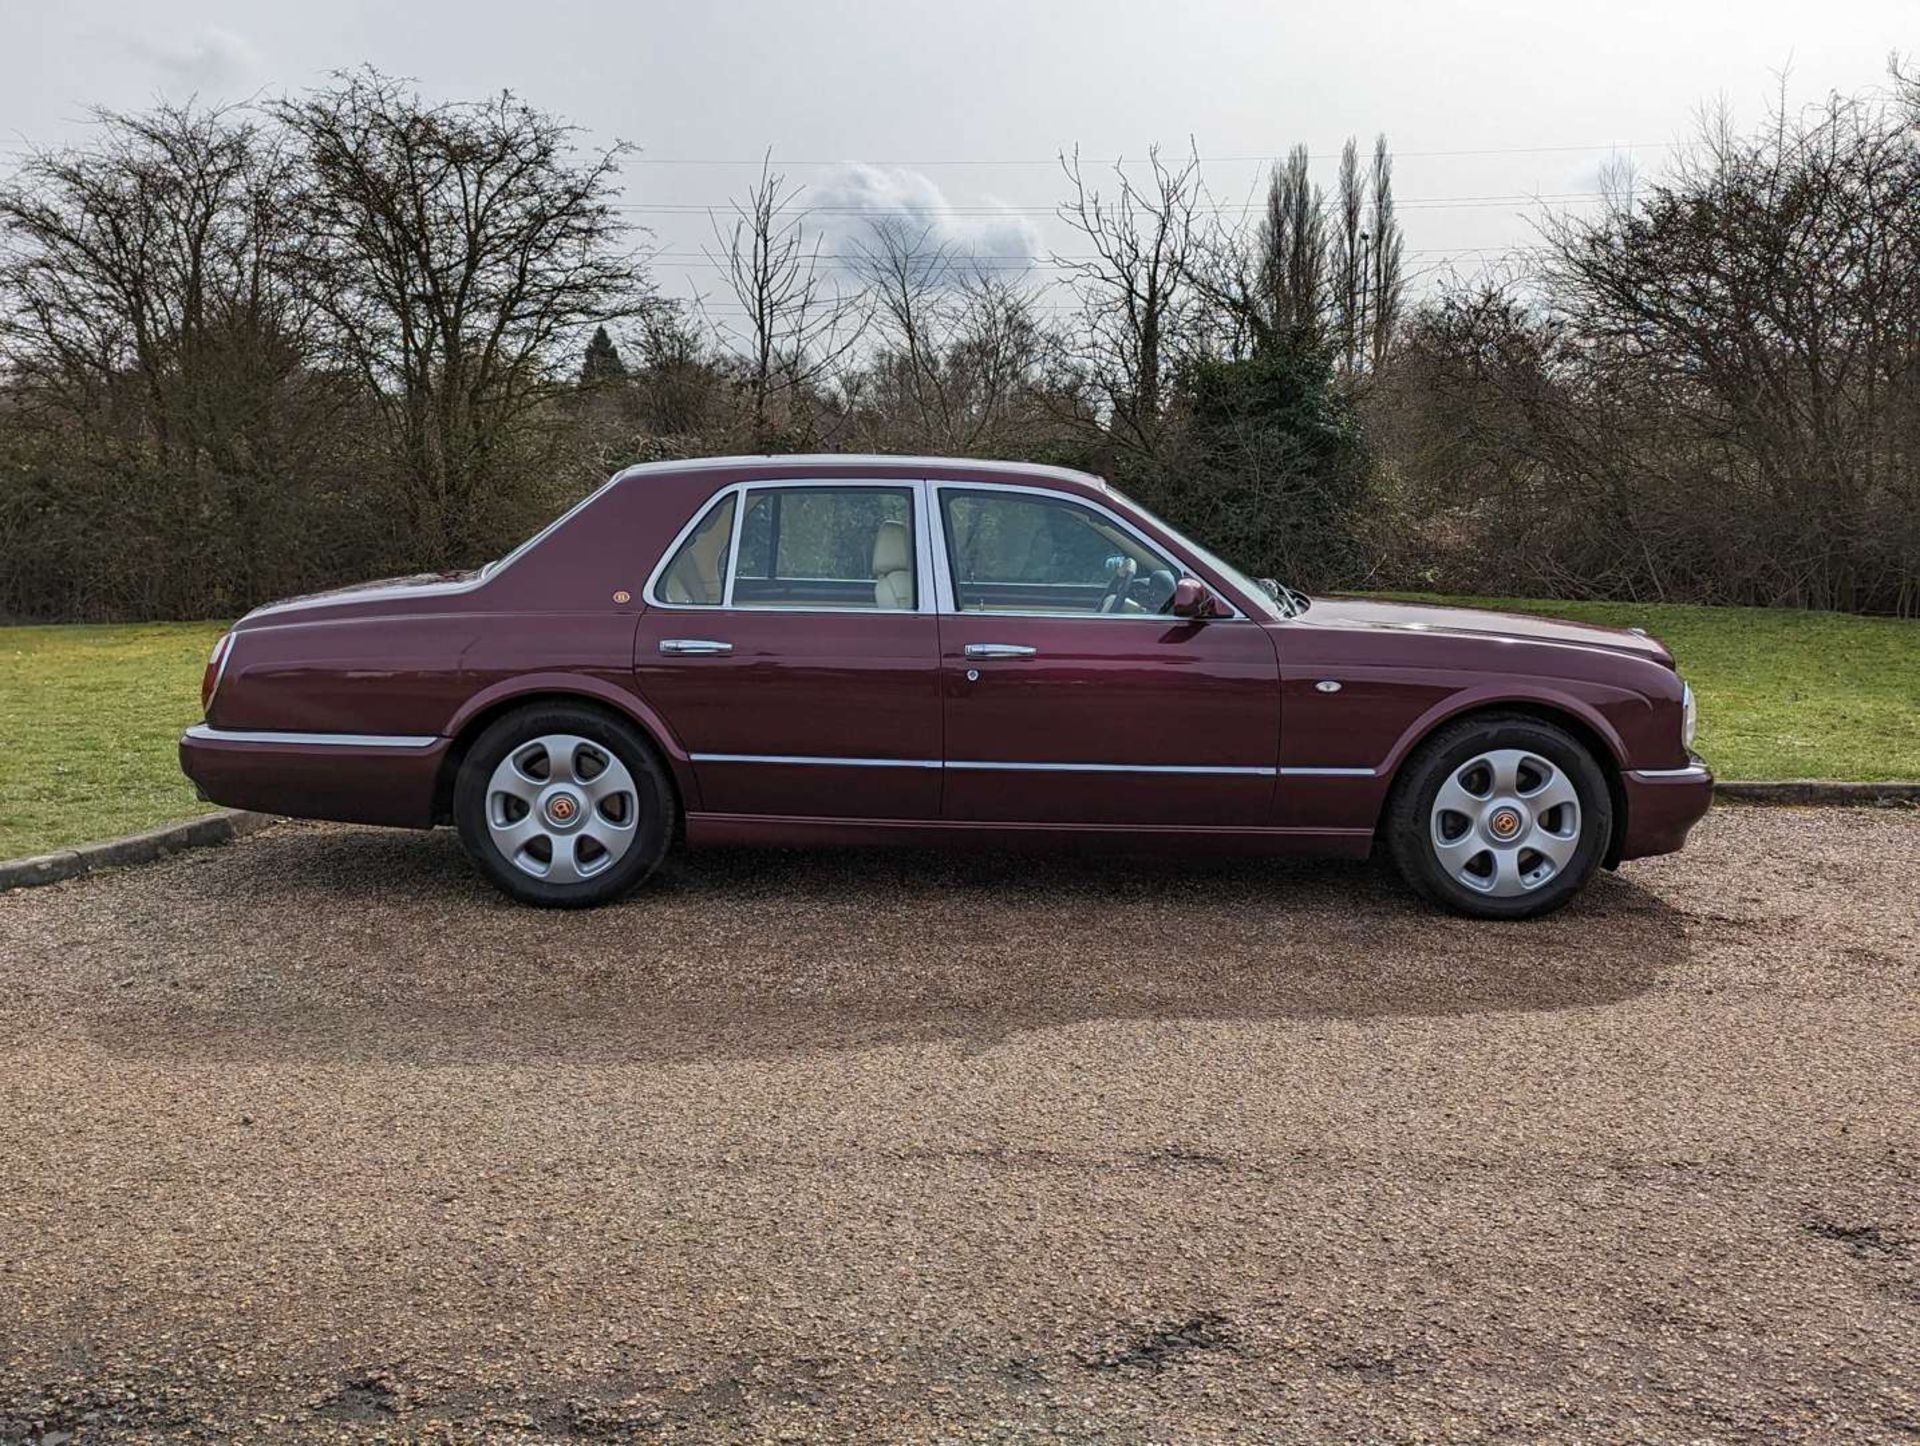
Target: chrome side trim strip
<point>201,733</point>
<point>1111,768</point>
<point>979,766</point>
<point>962,825</point>
<point>789,758</point>
<point>1692,770</point>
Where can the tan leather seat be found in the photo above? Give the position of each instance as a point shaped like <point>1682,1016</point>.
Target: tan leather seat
<point>893,566</point>
<point>695,577</point>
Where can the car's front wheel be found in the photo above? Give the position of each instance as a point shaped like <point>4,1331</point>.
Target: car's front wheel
<point>563,806</point>
<point>1500,817</point>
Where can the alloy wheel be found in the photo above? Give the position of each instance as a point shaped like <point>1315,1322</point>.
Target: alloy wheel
<point>561,808</point>
<point>1505,822</point>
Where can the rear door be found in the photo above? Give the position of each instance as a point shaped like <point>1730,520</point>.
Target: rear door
<point>1068,696</point>
<point>791,643</point>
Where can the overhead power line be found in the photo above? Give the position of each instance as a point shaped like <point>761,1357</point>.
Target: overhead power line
<point>1435,203</point>
<point>780,161</point>
<point>1016,261</point>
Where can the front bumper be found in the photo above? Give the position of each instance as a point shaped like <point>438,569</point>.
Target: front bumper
<point>1663,805</point>
<point>345,777</point>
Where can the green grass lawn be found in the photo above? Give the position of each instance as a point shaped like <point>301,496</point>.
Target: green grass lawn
<point>1781,694</point>
<point>89,716</point>
<point>90,720</point>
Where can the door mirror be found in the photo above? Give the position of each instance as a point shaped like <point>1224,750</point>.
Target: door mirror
<point>1192,598</point>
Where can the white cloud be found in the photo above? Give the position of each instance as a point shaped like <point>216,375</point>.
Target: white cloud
<point>854,199</point>
<point>211,59</point>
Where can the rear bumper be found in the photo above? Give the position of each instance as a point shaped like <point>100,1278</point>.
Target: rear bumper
<point>346,777</point>
<point>1663,805</point>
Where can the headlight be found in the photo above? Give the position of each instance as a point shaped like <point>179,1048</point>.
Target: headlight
<point>1689,715</point>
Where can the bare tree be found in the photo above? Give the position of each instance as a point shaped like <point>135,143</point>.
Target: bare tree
<point>1138,303</point>
<point>905,273</point>
<point>681,384</point>
<point>957,350</point>
<point>1764,293</point>
<point>1293,253</point>
<point>1709,390</point>
<point>1347,260</point>
<point>129,266</point>
<point>1384,287</point>
<point>1300,278</point>
<point>452,249</point>
<point>148,324</point>
<point>796,325</point>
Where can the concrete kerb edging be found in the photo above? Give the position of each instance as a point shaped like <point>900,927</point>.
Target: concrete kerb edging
<point>136,848</point>
<point>219,828</point>
<point>1818,792</point>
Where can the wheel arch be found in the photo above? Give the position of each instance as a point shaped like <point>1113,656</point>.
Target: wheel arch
<point>571,690</point>
<point>1585,724</point>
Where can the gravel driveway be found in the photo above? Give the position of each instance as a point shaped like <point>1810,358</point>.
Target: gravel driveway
<point>313,1136</point>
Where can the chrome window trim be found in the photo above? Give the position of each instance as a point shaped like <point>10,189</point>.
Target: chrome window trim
<point>650,595</point>
<point>203,733</point>
<point>922,566</point>
<point>733,546</point>
<point>808,460</point>
<point>943,571</point>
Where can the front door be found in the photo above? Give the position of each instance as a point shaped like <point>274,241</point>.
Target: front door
<point>791,644</point>
<point>1069,697</point>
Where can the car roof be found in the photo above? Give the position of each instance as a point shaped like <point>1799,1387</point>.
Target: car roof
<point>855,464</point>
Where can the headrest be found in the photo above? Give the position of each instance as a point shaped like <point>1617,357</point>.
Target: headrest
<point>892,551</point>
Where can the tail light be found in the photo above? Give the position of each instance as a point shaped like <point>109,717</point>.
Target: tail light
<point>216,665</point>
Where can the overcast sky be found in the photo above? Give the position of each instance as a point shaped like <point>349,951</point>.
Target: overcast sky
<point>961,107</point>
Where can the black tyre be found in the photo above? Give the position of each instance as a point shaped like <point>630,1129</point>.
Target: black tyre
<point>564,806</point>
<point>1500,816</point>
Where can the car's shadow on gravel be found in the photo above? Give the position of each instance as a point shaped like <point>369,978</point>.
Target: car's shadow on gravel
<point>326,942</point>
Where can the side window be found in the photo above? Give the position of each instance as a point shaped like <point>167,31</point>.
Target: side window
<point>1011,552</point>
<point>826,547</point>
<point>698,576</point>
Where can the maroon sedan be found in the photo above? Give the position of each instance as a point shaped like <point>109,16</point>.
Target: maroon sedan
<point>858,650</point>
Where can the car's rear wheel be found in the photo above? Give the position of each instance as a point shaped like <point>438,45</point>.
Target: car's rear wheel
<point>563,806</point>
<point>1500,817</point>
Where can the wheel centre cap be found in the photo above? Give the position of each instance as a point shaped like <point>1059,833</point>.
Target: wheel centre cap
<point>562,809</point>
<point>1505,823</point>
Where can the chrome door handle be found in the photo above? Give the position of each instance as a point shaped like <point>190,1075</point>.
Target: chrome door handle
<point>998,650</point>
<point>694,648</point>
